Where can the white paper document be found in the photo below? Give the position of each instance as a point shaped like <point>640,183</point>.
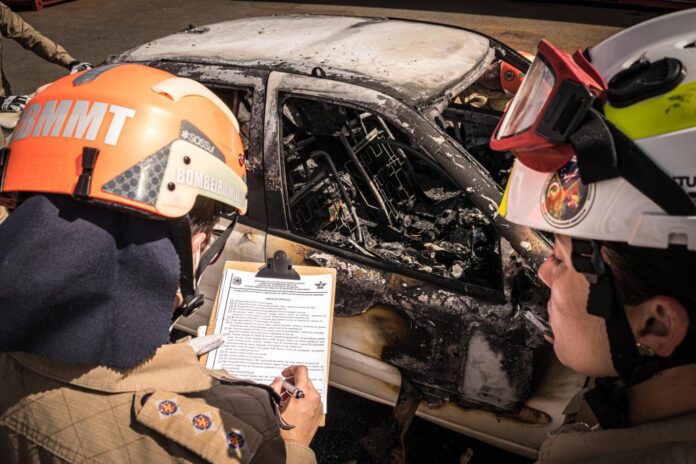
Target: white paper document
<point>270,324</point>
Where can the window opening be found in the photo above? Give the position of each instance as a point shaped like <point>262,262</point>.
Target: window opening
<point>239,101</point>
<point>356,181</point>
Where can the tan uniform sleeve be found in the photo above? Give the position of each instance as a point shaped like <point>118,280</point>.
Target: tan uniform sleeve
<point>215,435</point>
<point>14,27</point>
<point>297,453</point>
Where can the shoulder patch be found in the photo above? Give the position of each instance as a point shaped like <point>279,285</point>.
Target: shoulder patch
<point>211,433</point>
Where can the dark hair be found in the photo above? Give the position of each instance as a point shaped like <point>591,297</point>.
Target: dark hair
<point>642,273</point>
<point>203,216</point>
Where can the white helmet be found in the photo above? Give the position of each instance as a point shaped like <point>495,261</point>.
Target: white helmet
<point>651,100</point>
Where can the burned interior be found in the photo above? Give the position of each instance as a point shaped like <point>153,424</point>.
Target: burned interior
<point>470,120</point>
<point>356,181</point>
<point>239,102</point>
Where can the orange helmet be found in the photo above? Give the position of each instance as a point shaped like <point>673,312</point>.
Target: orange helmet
<point>129,136</point>
<point>137,139</point>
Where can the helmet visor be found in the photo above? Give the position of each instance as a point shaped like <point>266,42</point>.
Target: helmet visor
<point>529,100</point>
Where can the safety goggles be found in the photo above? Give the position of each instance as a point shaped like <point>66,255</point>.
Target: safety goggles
<point>553,99</point>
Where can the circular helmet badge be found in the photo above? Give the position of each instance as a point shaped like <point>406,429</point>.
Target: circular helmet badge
<point>565,200</point>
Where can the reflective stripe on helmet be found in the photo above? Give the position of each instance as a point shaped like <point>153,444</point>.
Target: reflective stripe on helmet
<point>676,110</point>
<point>502,207</point>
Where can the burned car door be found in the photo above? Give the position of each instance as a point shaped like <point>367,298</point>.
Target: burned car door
<point>428,280</point>
<point>243,91</point>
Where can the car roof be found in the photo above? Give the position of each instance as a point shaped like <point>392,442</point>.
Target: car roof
<point>410,60</point>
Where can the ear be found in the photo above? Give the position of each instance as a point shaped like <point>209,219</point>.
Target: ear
<point>197,240</point>
<point>660,323</point>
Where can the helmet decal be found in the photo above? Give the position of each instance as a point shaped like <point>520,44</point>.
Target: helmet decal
<point>82,121</point>
<point>141,182</point>
<point>565,200</point>
<point>193,135</point>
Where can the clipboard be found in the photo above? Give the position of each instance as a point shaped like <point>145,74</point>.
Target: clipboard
<point>277,267</point>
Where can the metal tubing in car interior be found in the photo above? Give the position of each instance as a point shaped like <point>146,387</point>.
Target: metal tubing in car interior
<point>365,175</point>
<point>400,151</point>
<point>308,186</point>
<point>344,194</point>
<point>417,154</point>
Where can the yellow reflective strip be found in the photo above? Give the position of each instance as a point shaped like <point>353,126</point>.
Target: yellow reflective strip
<point>670,112</point>
<point>502,207</point>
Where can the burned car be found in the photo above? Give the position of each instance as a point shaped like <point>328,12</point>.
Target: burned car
<point>367,151</point>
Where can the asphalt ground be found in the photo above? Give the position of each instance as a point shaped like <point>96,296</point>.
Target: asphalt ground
<point>91,30</point>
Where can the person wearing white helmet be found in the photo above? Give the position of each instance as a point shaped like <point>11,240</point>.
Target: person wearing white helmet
<point>604,142</point>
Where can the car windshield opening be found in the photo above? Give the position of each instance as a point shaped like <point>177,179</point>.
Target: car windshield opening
<point>470,118</point>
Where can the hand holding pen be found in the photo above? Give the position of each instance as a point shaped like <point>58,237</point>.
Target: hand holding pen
<point>305,415</point>
<point>291,389</point>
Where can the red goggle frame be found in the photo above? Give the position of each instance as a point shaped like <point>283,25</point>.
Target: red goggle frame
<point>553,99</point>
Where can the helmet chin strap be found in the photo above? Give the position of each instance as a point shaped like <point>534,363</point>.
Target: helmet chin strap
<point>189,277</point>
<point>604,152</point>
<point>608,399</point>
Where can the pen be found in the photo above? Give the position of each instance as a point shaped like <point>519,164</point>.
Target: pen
<point>293,390</point>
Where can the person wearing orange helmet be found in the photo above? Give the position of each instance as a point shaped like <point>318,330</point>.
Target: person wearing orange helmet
<point>115,177</point>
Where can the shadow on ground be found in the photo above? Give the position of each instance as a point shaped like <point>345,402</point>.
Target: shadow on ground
<point>351,417</point>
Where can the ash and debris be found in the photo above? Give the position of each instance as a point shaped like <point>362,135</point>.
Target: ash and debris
<point>191,29</point>
<point>444,323</point>
<point>355,182</point>
<point>471,124</point>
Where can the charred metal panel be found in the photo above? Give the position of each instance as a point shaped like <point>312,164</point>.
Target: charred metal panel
<point>476,353</point>
<point>272,159</point>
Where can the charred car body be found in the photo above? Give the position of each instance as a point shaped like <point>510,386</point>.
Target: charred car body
<point>367,151</point>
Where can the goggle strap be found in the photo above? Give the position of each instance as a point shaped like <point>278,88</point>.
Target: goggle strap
<point>604,152</point>
<point>587,259</point>
<point>594,149</point>
<point>605,301</point>
<point>646,176</point>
